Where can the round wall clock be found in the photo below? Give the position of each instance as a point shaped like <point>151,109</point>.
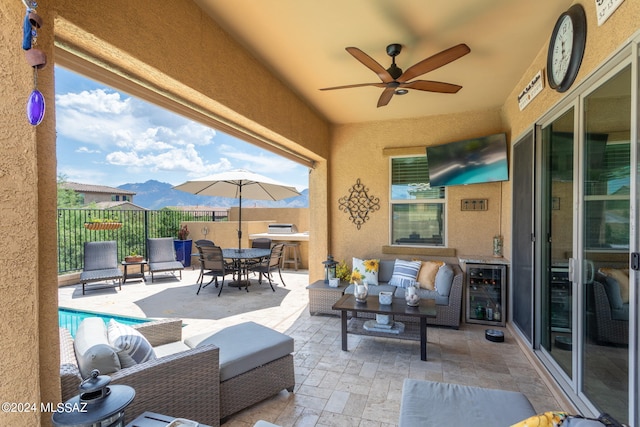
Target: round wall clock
<point>566,48</point>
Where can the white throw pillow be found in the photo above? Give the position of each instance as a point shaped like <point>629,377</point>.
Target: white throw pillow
<point>365,269</point>
<point>130,343</point>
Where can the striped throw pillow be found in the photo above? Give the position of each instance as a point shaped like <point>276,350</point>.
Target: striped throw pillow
<point>129,343</point>
<point>404,273</point>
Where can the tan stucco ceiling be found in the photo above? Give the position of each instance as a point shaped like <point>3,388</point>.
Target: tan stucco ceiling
<point>304,42</point>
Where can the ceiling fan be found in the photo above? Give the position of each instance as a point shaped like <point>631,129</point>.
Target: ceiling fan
<point>396,82</point>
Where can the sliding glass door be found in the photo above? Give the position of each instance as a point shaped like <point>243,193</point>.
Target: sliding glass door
<point>605,243</point>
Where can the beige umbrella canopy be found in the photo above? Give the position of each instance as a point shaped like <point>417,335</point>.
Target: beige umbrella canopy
<point>239,184</point>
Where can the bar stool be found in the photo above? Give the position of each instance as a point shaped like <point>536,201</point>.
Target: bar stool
<point>291,254</point>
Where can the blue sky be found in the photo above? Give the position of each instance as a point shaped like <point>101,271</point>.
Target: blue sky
<point>108,137</point>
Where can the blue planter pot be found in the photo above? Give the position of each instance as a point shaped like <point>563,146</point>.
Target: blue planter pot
<point>183,251</point>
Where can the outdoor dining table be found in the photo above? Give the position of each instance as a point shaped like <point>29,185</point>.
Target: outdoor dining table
<point>241,260</point>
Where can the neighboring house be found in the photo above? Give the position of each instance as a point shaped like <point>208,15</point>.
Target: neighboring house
<point>100,193</point>
<point>121,206</point>
<point>205,210</point>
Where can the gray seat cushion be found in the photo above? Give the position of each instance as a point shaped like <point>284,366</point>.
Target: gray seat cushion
<point>428,403</point>
<point>244,347</point>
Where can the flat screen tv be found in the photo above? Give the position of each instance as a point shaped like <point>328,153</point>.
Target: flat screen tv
<point>471,161</point>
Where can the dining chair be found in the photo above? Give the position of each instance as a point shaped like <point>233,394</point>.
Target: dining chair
<point>211,264</point>
<point>270,264</point>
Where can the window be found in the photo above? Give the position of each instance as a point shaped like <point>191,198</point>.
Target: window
<point>417,210</point>
<point>115,198</point>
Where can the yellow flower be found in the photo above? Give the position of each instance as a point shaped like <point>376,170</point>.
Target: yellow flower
<point>356,276</point>
<point>370,265</point>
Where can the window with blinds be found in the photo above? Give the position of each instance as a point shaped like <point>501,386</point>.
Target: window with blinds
<point>417,210</point>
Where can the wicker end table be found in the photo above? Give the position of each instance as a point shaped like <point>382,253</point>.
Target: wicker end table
<point>322,297</point>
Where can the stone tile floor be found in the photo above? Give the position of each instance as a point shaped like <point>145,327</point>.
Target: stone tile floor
<point>360,387</point>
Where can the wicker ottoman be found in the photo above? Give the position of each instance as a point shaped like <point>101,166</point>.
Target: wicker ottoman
<point>255,363</point>
<point>322,297</point>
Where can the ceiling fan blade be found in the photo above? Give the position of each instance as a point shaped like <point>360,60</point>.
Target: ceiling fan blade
<point>371,64</point>
<point>355,85</point>
<point>386,96</point>
<point>431,86</point>
<point>435,61</point>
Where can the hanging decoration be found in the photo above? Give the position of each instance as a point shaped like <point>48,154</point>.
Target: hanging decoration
<point>358,204</point>
<point>36,58</point>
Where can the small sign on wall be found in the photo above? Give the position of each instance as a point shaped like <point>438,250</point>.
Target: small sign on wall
<point>533,88</point>
<point>605,8</point>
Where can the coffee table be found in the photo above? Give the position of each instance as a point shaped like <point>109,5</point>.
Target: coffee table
<point>348,303</point>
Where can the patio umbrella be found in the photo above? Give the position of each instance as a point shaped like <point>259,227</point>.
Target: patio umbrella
<point>239,184</point>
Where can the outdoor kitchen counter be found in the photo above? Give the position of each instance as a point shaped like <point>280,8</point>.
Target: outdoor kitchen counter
<point>286,237</point>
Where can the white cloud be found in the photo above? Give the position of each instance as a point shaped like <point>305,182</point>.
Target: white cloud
<point>86,150</point>
<point>260,163</point>
<point>185,159</point>
<point>104,119</point>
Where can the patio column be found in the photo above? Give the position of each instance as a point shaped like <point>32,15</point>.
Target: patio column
<point>28,288</point>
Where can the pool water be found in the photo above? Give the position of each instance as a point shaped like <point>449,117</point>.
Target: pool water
<point>70,318</point>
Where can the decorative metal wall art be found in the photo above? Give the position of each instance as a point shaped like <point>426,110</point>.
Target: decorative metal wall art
<point>358,204</point>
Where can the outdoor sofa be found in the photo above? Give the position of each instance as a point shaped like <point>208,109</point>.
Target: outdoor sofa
<point>448,296</point>
<point>205,378</point>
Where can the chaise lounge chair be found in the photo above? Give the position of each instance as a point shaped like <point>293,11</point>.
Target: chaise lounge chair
<point>100,264</point>
<point>162,256</point>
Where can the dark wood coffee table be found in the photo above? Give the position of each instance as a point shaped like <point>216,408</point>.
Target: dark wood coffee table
<point>347,303</point>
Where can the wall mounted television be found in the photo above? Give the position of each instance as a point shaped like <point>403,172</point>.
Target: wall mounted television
<point>470,161</point>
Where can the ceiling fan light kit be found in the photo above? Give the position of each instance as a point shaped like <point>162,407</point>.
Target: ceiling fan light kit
<point>397,82</point>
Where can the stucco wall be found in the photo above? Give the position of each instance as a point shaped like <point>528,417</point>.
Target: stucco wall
<point>213,68</point>
<point>601,43</point>
<point>28,291</point>
<point>357,153</point>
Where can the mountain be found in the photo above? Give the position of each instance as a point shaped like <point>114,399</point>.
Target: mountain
<point>157,195</point>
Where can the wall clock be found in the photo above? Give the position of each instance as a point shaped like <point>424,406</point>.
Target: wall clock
<point>566,48</point>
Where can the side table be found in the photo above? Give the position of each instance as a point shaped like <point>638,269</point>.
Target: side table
<point>322,297</point>
<point>151,419</point>
<point>128,275</point>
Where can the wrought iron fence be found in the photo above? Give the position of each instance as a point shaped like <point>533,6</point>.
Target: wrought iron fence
<point>76,226</point>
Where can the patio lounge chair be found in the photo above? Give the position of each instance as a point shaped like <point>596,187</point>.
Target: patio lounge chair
<point>100,264</point>
<point>162,256</point>
<point>270,264</point>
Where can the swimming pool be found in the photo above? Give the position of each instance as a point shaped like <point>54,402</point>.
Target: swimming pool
<point>70,318</point>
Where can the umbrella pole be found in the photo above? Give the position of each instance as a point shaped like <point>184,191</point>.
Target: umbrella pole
<point>240,221</point>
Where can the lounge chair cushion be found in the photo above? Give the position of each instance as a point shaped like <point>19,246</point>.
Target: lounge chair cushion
<point>93,350</point>
<point>244,347</point>
<point>429,403</point>
<point>131,345</point>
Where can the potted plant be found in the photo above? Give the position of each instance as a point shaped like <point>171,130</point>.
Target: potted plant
<point>183,246</point>
<point>103,224</point>
<point>133,257</point>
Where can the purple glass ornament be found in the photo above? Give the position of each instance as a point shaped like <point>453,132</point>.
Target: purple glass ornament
<point>35,107</point>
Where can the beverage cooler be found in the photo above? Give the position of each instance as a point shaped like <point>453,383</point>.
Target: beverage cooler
<point>486,294</point>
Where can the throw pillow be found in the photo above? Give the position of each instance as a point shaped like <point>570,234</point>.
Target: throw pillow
<point>622,278</point>
<point>444,279</point>
<point>404,273</point>
<point>365,269</point>
<point>130,343</point>
<point>92,348</point>
<point>427,274</point>
<point>548,419</point>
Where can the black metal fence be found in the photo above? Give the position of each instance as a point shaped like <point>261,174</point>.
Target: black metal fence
<point>131,236</point>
